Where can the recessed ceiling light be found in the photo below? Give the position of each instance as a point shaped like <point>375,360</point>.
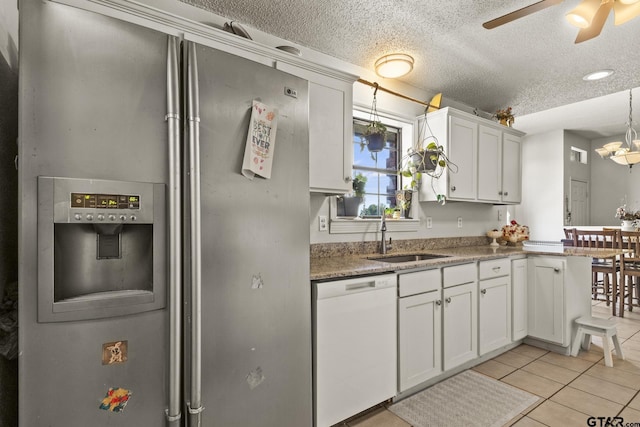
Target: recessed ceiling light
<point>597,75</point>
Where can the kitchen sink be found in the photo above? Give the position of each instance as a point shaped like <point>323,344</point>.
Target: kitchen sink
<point>407,258</point>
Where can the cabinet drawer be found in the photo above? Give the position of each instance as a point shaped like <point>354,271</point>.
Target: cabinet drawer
<point>459,274</point>
<point>494,268</point>
<point>419,282</point>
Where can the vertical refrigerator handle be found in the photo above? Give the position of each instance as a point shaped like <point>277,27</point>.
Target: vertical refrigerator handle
<point>173,411</point>
<point>193,119</point>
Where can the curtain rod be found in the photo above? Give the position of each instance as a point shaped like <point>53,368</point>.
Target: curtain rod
<point>377,86</point>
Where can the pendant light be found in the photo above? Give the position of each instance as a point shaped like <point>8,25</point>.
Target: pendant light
<point>627,155</point>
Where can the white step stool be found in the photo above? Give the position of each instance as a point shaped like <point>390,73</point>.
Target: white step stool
<point>605,328</point>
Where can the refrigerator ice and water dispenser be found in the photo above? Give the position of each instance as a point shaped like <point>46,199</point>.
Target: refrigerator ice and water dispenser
<point>101,248</point>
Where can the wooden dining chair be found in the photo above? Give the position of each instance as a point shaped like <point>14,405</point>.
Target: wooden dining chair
<point>630,266</point>
<point>604,271</point>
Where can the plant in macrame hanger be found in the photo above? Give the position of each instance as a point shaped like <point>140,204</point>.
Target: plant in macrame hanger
<point>426,156</point>
<point>376,132</point>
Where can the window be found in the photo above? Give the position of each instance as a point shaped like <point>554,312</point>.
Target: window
<point>379,168</point>
<point>382,177</point>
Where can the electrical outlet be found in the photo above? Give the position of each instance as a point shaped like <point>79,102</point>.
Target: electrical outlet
<point>429,222</point>
<point>322,223</point>
<point>459,222</point>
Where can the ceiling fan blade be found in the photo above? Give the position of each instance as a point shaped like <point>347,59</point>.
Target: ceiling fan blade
<point>520,13</point>
<point>625,12</point>
<point>597,23</point>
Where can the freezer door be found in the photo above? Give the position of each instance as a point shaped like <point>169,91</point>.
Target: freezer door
<point>256,297</point>
<point>92,106</point>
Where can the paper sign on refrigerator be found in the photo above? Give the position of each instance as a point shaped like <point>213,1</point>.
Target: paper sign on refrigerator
<point>261,138</point>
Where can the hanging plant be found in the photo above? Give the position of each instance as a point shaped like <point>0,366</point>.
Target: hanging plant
<point>375,133</point>
<point>428,157</point>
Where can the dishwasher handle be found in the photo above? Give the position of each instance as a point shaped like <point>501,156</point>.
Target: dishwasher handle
<point>336,288</point>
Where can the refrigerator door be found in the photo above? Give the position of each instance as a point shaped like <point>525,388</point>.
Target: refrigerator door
<point>92,105</point>
<point>255,296</point>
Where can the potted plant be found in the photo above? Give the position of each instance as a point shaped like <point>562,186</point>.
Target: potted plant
<point>375,132</point>
<point>627,217</point>
<point>375,135</point>
<point>348,205</point>
<point>505,117</point>
<point>428,157</point>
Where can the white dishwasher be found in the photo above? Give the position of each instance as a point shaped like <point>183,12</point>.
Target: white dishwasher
<point>355,346</point>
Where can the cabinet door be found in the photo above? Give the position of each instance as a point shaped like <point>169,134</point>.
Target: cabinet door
<point>460,324</point>
<point>420,337</point>
<point>546,299</point>
<point>463,151</point>
<point>495,313</point>
<point>489,164</point>
<point>511,169</point>
<point>519,298</point>
<point>330,130</point>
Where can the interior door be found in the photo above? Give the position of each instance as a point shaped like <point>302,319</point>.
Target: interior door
<point>579,207</point>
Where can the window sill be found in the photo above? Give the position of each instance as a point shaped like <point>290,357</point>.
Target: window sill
<point>359,225</point>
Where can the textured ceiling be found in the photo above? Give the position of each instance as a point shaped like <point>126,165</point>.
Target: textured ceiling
<point>530,64</point>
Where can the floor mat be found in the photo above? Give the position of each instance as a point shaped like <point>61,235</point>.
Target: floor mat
<point>467,399</point>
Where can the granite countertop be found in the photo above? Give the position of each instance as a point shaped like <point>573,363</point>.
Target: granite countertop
<point>341,266</point>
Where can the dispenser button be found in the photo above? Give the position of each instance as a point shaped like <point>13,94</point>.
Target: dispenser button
<point>100,217</point>
<point>112,217</point>
<point>78,217</point>
<point>133,218</point>
<point>89,217</point>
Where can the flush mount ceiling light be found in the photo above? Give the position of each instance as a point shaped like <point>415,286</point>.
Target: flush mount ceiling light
<point>597,75</point>
<point>629,155</point>
<point>394,65</point>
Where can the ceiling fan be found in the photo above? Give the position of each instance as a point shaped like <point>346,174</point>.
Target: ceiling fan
<point>589,15</point>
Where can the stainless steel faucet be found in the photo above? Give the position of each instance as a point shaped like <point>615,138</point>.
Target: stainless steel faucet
<point>383,231</point>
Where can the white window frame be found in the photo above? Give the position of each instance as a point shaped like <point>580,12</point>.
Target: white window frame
<point>341,225</point>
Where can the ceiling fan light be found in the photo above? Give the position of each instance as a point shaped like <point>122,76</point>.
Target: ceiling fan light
<point>394,65</point>
<point>583,14</point>
<point>624,12</point>
<point>577,20</point>
<point>628,1</point>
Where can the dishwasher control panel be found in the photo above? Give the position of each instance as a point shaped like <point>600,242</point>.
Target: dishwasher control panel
<point>351,286</point>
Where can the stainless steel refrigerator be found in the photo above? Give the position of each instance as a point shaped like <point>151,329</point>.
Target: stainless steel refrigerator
<point>158,285</point>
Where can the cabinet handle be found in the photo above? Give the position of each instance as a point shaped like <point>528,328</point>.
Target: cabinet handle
<point>499,193</point>
<point>557,270</point>
<point>448,300</point>
<point>348,179</point>
<point>438,302</point>
<point>506,193</point>
<point>496,269</point>
<point>483,291</point>
<point>453,188</point>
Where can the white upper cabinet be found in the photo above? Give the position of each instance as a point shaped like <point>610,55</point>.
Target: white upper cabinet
<point>487,156</point>
<point>330,129</point>
<point>511,168</point>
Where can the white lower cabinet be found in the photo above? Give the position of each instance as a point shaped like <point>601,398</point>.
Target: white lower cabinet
<point>519,270</point>
<point>460,324</point>
<point>494,304</point>
<point>495,313</point>
<point>546,300</point>
<point>419,327</point>
<point>420,338</point>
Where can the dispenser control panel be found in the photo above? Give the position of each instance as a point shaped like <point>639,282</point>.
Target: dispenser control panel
<point>105,201</point>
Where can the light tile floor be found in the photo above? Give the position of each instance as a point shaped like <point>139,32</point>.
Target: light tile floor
<point>570,389</point>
